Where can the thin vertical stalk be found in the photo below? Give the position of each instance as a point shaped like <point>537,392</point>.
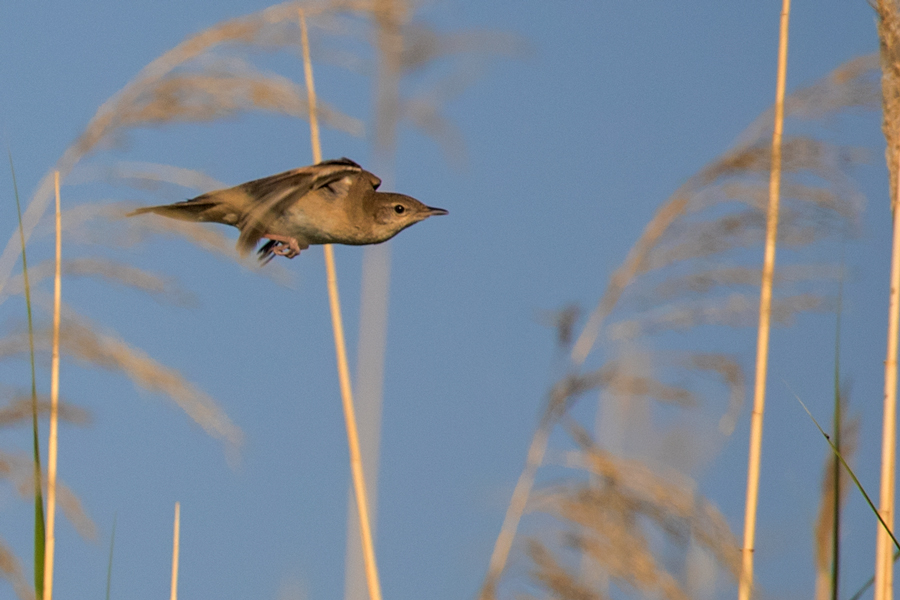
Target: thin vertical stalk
<point>50,545</point>
<point>176,536</point>
<point>884,573</point>
<point>745,585</point>
<point>388,17</point>
<point>310,91</point>
<point>370,357</point>
<point>39,538</point>
<point>356,466</point>
<point>112,545</point>
<point>836,465</point>
<point>889,36</point>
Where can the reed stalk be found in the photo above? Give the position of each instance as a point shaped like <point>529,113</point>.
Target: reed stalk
<point>884,573</point>
<point>112,545</point>
<point>50,545</point>
<point>356,465</point>
<point>888,13</point>
<point>176,536</point>
<point>745,585</point>
<point>388,18</point>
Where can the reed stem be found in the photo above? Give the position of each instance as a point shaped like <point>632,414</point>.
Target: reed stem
<point>745,585</point>
<point>884,572</point>
<point>356,466</point>
<point>176,537</point>
<point>50,545</point>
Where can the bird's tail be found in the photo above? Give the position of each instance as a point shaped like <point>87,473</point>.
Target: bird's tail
<point>190,210</point>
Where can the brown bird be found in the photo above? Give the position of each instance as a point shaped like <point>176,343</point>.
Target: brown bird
<point>332,202</point>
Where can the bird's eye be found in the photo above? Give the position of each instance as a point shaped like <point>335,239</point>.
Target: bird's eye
<point>399,209</point>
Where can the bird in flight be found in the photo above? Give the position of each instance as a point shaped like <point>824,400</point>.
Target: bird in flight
<point>332,202</point>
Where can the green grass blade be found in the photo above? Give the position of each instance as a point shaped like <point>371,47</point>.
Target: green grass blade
<point>836,516</point>
<point>849,471</point>
<point>869,583</point>
<point>39,535</point>
<point>112,542</point>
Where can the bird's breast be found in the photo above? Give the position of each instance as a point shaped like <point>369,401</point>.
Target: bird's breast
<point>320,225</point>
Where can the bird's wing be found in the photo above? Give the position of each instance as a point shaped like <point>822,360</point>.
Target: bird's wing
<point>270,197</point>
<point>373,179</point>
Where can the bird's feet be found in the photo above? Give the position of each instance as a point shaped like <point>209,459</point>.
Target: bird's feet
<point>286,249</point>
<point>279,245</point>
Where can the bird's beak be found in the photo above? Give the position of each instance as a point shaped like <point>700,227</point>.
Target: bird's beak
<point>434,212</point>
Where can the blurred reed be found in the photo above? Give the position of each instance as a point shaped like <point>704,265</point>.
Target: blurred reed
<point>691,269</point>
<point>602,514</point>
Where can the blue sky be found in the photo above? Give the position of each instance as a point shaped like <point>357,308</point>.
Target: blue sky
<point>570,148</point>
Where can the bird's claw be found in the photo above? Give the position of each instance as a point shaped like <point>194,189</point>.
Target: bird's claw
<point>288,250</point>
<point>278,246</point>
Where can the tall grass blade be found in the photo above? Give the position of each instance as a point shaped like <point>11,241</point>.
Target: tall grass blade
<point>833,491</point>
<point>38,495</point>
<point>836,516</point>
<point>850,472</point>
<point>869,583</point>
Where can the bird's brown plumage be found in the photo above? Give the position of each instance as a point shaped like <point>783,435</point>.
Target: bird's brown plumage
<point>332,202</point>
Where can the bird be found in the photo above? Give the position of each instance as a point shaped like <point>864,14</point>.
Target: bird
<point>330,202</point>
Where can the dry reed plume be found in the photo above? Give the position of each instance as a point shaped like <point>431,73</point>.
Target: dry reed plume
<point>18,471</point>
<point>605,517</point>
<point>18,410</point>
<point>83,341</point>
<point>690,269</point>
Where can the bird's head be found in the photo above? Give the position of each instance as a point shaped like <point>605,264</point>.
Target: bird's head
<point>395,212</point>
